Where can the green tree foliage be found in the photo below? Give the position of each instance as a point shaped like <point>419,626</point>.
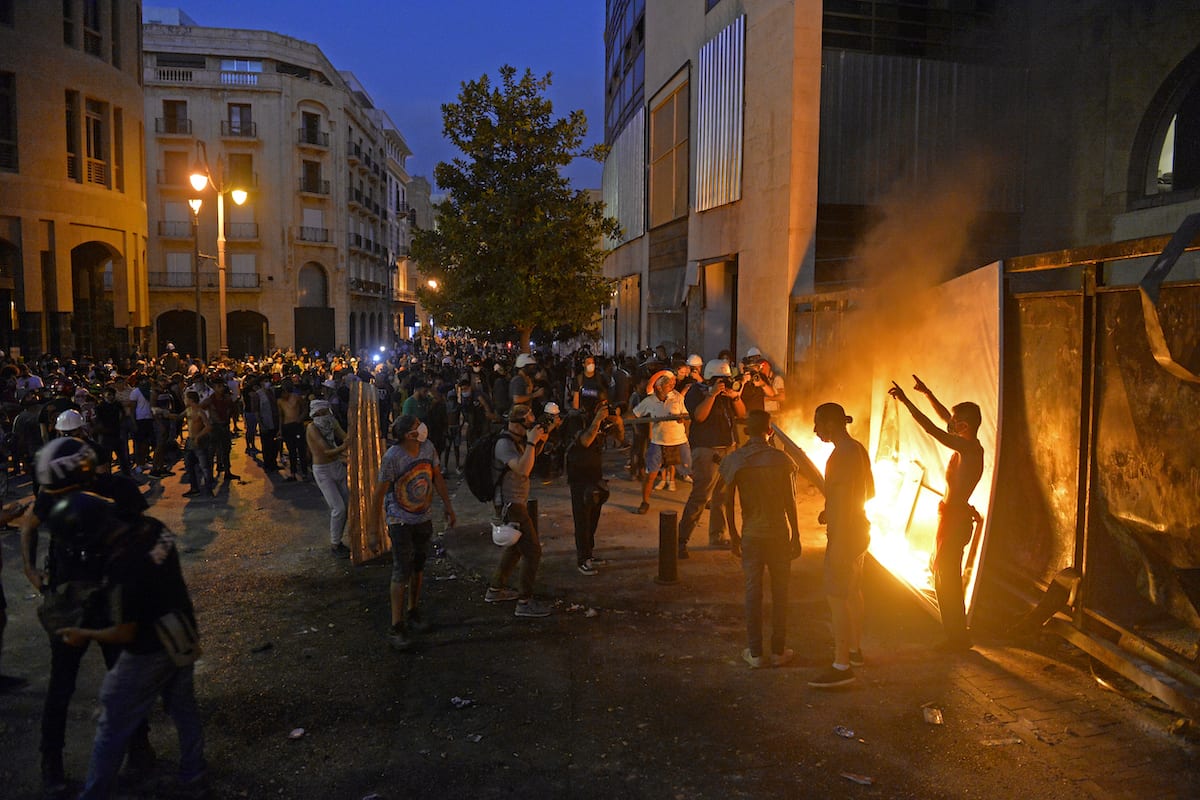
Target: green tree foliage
<point>514,244</point>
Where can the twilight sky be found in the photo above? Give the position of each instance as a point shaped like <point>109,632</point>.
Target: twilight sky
<point>412,55</point>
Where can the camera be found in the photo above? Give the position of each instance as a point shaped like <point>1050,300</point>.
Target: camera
<point>546,421</point>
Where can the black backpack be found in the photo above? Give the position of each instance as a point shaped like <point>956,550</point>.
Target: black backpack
<point>482,479</point>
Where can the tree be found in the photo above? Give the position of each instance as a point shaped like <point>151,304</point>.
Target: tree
<point>514,244</point>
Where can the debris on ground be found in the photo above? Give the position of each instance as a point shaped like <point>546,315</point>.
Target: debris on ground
<point>862,780</point>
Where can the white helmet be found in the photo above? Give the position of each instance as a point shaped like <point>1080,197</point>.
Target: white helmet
<point>718,367</point>
<point>552,408</point>
<point>506,534</point>
<point>69,420</point>
<point>525,360</point>
<point>695,361</point>
<point>753,352</point>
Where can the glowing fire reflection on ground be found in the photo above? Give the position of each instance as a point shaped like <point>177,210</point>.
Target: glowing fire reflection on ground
<point>903,514</point>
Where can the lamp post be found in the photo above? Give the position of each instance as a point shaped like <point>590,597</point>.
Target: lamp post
<point>201,178</point>
<point>195,204</point>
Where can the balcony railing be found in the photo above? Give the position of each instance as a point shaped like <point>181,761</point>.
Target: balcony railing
<point>241,230</point>
<point>311,137</point>
<point>242,280</point>
<point>314,186</point>
<point>238,78</point>
<point>308,234</point>
<point>174,229</point>
<point>171,280</point>
<point>241,130</point>
<point>170,126</point>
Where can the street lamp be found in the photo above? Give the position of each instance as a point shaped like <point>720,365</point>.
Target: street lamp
<point>201,178</point>
<point>195,204</point>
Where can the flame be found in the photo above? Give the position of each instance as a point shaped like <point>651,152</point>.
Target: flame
<point>903,513</point>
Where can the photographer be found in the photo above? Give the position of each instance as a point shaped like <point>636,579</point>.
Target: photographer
<point>713,408</point>
<point>585,476</point>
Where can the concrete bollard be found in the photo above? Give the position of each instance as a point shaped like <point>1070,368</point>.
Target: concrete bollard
<point>668,547</point>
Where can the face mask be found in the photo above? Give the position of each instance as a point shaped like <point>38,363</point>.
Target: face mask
<point>475,369</point>
<point>465,395</point>
<point>324,423</point>
<point>422,432</point>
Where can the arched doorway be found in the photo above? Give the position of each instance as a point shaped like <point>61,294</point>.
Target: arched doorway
<point>314,319</point>
<point>92,320</point>
<point>247,332</point>
<point>179,328</point>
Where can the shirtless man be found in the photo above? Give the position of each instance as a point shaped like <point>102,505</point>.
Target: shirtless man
<point>956,517</point>
<point>327,443</point>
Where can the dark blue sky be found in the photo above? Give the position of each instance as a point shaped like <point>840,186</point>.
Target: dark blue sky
<point>412,55</point>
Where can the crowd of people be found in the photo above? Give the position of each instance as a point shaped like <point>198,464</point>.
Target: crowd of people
<point>86,436</point>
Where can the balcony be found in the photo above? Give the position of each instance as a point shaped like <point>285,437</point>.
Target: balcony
<point>172,126</point>
<point>241,231</point>
<point>171,280</point>
<point>314,186</point>
<point>174,229</point>
<point>242,280</point>
<point>307,137</point>
<point>354,197</point>
<point>354,154</point>
<point>231,129</point>
<point>315,235</point>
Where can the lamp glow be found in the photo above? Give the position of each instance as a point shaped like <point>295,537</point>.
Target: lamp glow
<point>195,204</point>
<point>238,195</point>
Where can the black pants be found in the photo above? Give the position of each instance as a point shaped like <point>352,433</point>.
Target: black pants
<point>64,670</point>
<point>587,500</point>
<point>270,448</point>
<point>955,528</point>
<point>293,437</point>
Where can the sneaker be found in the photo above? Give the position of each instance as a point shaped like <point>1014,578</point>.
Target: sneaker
<point>531,608</point>
<point>671,485</point>
<point>687,479</point>
<point>755,662</point>
<point>398,638</point>
<point>779,659</point>
<point>856,658</point>
<point>501,595</point>
<point>597,561</point>
<point>232,476</point>
<point>832,677</point>
<point>586,568</point>
<point>339,550</point>
<point>683,552</point>
<point>661,483</point>
<point>192,493</point>
<point>416,622</point>
<point>643,508</point>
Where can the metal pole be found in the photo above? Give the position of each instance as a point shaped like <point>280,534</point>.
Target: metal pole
<point>196,278</point>
<point>222,343</point>
<point>668,548</point>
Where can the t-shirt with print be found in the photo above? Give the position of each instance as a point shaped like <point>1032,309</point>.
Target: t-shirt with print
<point>409,499</point>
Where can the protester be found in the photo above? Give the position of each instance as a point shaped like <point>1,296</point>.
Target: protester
<point>667,435</point>
<point>589,490</point>
<point>328,444</point>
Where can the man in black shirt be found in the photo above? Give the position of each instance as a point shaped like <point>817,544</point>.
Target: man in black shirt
<point>589,490</point>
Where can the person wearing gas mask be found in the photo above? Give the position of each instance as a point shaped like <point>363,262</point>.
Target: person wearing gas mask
<point>713,407</point>
<point>589,389</point>
<point>327,443</point>
<point>408,477</point>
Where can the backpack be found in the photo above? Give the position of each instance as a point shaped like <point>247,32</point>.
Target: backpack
<point>482,479</point>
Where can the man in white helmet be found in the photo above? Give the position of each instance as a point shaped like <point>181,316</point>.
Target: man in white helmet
<point>713,407</point>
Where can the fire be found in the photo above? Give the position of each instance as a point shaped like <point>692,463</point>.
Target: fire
<point>903,513</point>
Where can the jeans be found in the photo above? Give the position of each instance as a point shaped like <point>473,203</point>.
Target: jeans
<point>775,556</point>
<point>251,420</point>
<point>197,461</point>
<point>331,480</point>
<point>221,442</point>
<point>64,669</point>
<point>587,499</point>
<point>527,550</point>
<point>127,694</point>
<point>707,487</point>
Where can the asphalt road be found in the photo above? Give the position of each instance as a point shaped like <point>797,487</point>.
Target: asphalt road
<point>631,689</point>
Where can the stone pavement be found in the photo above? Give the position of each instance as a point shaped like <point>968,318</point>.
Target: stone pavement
<point>1036,695</point>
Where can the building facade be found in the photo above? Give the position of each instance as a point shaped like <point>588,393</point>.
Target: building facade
<point>764,152</point>
<point>73,235</point>
<point>310,258</point>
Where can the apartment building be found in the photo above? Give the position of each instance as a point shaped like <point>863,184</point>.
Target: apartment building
<point>310,258</point>
<point>73,231</point>
<point>756,145</point>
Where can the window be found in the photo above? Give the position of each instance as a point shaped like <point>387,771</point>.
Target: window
<point>175,117</point>
<point>179,269</point>
<point>96,130</point>
<point>669,158</point>
<point>239,122</point>
<point>241,171</point>
<point>310,180</point>
<point>180,60</point>
<point>93,39</point>
<point>8,122</point>
<point>176,168</point>
<point>74,156</point>
<point>118,141</point>
<point>6,12</point>
<point>68,12</point>
<point>240,72</point>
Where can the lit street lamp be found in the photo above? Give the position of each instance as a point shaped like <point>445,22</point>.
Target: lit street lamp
<point>195,204</point>
<point>201,178</point>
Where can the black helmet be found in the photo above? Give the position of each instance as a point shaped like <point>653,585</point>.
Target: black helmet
<point>65,462</point>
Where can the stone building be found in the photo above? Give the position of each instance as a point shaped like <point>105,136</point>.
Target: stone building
<point>72,178</point>
<point>767,151</point>
<point>311,257</point>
